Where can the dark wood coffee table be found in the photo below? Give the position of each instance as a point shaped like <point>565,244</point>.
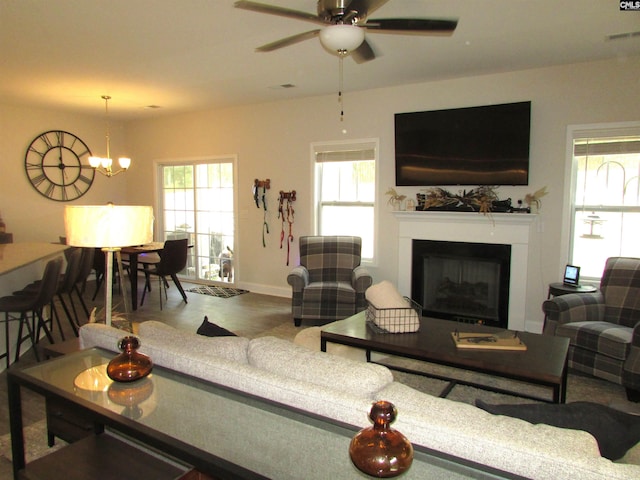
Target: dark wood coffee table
<point>544,363</point>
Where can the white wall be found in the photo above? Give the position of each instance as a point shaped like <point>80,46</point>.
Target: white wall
<point>27,214</point>
<point>273,141</point>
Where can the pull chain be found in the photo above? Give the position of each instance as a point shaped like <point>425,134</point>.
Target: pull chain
<point>341,55</point>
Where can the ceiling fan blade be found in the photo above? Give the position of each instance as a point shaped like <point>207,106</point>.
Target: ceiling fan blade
<point>412,25</point>
<point>280,11</point>
<point>285,42</point>
<point>363,53</point>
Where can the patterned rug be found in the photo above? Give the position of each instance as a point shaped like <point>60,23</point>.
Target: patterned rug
<point>217,291</point>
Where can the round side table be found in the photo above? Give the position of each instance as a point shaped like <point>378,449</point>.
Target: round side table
<point>559,288</point>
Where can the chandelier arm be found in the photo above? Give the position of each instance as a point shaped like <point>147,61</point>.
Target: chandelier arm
<point>104,165</point>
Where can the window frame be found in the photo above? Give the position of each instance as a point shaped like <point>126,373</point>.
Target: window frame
<point>577,132</point>
<point>316,207</point>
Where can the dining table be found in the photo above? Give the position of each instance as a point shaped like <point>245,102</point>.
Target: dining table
<point>134,252</point>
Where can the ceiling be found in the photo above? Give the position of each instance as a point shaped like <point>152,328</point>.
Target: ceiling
<point>193,55</point>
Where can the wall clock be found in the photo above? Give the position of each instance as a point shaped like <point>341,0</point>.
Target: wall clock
<point>57,166</point>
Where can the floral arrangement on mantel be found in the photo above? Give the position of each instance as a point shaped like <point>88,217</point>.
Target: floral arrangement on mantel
<point>481,199</point>
<point>395,198</point>
<point>533,199</point>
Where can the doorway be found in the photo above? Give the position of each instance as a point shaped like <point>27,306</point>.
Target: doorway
<point>197,202</point>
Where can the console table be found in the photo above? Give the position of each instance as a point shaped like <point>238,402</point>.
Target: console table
<point>210,428</point>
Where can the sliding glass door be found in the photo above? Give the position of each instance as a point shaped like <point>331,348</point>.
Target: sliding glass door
<point>197,202</point>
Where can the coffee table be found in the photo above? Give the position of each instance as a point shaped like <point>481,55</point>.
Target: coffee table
<point>544,363</point>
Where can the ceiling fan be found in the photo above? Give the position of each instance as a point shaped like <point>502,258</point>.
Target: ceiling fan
<point>344,23</point>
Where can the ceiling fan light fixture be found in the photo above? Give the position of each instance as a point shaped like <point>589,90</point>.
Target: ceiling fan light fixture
<point>341,38</point>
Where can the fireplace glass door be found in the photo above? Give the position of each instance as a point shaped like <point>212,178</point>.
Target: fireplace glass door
<point>466,282</point>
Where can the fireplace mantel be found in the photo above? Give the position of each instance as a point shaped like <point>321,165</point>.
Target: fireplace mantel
<point>513,229</point>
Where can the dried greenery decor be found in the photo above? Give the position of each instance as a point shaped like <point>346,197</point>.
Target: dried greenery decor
<point>479,199</point>
<point>533,199</point>
<point>394,197</point>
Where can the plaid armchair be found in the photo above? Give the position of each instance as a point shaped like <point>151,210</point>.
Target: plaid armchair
<point>329,283</point>
<point>603,327</point>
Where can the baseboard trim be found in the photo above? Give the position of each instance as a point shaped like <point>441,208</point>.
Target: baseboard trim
<point>266,289</point>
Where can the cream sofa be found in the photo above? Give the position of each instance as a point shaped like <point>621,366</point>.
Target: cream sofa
<point>343,388</point>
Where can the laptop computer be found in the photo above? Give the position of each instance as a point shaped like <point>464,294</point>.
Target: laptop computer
<point>571,276</point>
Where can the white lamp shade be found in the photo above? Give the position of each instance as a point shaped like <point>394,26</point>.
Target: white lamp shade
<point>95,161</point>
<point>108,226</point>
<point>125,162</point>
<point>341,37</point>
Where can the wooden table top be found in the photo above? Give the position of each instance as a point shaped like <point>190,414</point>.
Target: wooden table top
<point>544,358</point>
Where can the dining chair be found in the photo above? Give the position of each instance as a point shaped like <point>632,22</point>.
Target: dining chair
<point>99,265</point>
<point>173,259</point>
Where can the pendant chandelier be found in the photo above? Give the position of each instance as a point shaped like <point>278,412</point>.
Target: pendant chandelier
<point>103,165</point>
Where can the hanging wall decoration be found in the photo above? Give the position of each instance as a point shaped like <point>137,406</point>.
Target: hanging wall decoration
<point>286,213</point>
<point>260,188</point>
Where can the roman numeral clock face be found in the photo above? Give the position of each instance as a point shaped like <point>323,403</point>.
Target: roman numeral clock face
<point>57,165</point>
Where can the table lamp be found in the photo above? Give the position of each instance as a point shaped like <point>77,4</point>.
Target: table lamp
<point>110,228</point>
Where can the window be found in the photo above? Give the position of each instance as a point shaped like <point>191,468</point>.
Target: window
<point>198,203</point>
<point>345,191</point>
<point>606,203</point>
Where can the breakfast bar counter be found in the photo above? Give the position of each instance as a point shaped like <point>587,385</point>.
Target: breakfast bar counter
<point>17,255</point>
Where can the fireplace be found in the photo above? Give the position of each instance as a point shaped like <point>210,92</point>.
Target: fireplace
<point>462,281</point>
<point>512,229</point>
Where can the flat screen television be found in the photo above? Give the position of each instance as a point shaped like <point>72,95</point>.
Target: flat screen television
<point>485,145</point>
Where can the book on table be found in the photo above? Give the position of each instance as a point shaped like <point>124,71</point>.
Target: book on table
<point>488,341</point>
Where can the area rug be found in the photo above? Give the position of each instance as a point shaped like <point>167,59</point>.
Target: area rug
<point>35,442</point>
<point>217,291</point>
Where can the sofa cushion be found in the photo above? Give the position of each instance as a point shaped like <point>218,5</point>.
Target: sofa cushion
<point>620,285</point>
<point>231,348</point>
<point>329,293</point>
<point>319,368</point>
<point>510,444</point>
<point>602,337</point>
<point>101,335</point>
<point>615,431</point>
<point>209,329</point>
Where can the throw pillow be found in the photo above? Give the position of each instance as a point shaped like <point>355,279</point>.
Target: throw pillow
<point>615,431</point>
<point>209,329</point>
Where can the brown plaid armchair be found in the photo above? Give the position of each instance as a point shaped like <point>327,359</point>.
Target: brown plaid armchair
<point>603,327</point>
<point>329,283</point>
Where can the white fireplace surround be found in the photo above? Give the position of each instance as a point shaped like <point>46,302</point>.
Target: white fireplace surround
<point>498,228</point>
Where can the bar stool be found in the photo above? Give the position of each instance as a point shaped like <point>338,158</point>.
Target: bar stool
<point>65,286</point>
<point>34,304</point>
<point>86,265</point>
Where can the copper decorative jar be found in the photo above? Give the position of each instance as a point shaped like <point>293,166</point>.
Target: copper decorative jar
<point>379,450</point>
<point>129,365</point>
